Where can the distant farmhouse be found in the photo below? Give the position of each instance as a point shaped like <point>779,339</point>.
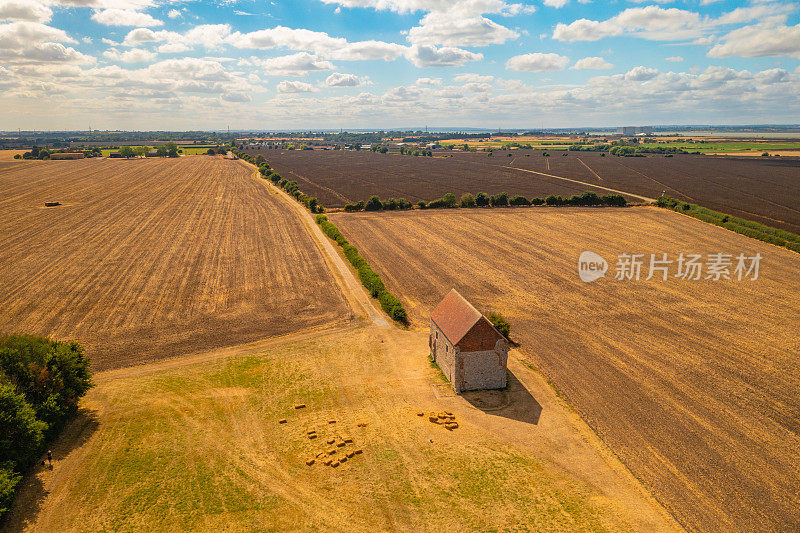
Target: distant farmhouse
<point>471,353</point>
<point>634,130</point>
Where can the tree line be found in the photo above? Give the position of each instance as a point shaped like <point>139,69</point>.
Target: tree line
<point>482,199</point>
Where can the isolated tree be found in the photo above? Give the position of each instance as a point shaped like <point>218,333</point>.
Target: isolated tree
<point>172,149</point>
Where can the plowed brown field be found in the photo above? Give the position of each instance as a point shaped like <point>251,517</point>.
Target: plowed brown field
<point>765,190</point>
<point>694,384</point>
<point>153,258</point>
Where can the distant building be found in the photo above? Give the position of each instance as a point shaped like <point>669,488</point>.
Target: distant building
<point>635,130</point>
<point>114,155</point>
<point>70,155</point>
<point>471,353</point>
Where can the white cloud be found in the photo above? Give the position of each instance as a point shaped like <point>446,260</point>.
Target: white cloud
<point>641,73</point>
<point>432,82</point>
<point>674,59</point>
<point>174,14</point>
<point>124,17</point>
<point>651,22</point>
<point>537,62</point>
<point>592,63</point>
<point>339,79</point>
<point>27,10</point>
<point>759,40</point>
<point>134,55</point>
<point>429,56</point>
<point>473,78</point>
<point>287,86</point>
<point>446,29</point>
<point>298,64</point>
<point>555,3</point>
<point>32,42</point>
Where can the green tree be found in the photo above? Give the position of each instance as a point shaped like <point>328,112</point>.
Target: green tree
<point>482,199</point>
<point>127,151</point>
<point>172,149</point>
<point>467,200</point>
<point>22,433</point>
<point>500,324</point>
<point>373,204</point>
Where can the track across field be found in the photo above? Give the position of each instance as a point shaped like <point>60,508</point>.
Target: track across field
<point>766,190</point>
<point>694,384</point>
<point>152,258</point>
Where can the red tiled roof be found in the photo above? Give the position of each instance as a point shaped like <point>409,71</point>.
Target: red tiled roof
<point>455,316</point>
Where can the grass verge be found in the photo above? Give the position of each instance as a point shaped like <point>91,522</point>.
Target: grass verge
<point>748,228</point>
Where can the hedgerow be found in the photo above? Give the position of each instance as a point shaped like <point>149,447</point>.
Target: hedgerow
<point>484,200</point>
<point>742,226</point>
<point>368,277</point>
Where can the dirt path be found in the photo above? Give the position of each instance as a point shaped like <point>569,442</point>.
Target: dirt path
<point>644,198</point>
<point>596,175</point>
<point>351,287</point>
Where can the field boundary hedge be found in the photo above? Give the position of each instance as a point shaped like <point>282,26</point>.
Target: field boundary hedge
<point>369,278</point>
<point>503,199</point>
<point>742,226</point>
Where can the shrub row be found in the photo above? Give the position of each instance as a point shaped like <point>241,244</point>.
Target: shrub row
<point>484,200</point>
<point>290,187</point>
<point>749,228</point>
<point>369,278</point>
<point>41,382</point>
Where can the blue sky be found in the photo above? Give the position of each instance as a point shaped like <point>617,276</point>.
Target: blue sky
<point>156,64</point>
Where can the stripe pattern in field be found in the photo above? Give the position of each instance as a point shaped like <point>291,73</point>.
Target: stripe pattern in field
<point>693,384</point>
<point>152,258</point>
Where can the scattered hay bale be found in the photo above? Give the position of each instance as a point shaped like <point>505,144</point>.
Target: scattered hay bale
<point>332,451</point>
<point>340,444</point>
<point>299,406</point>
<point>320,454</point>
<point>332,421</point>
<point>362,424</point>
<point>311,431</point>
<point>434,419</point>
<point>351,453</point>
<point>451,425</point>
<point>282,421</point>
<point>420,413</point>
<point>348,440</point>
<point>335,464</point>
<point>448,413</point>
<point>357,451</point>
<point>342,459</point>
<point>327,462</point>
<point>312,436</point>
<point>310,462</point>
<point>52,204</point>
<point>331,441</point>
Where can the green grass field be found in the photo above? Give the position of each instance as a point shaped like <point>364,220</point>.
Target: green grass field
<point>200,447</point>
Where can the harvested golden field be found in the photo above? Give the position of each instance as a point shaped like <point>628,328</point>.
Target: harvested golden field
<point>153,258</point>
<point>196,444</point>
<point>693,384</point>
